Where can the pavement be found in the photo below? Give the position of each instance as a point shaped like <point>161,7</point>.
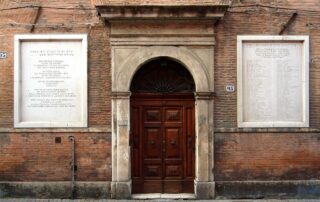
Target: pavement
<point>160,200</point>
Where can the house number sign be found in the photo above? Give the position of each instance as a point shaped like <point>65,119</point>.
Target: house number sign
<point>230,88</point>
<point>3,55</point>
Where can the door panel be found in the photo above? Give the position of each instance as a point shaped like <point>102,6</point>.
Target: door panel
<point>173,171</point>
<point>190,143</point>
<point>152,115</point>
<point>172,143</point>
<point>152,143</point>
<point>162,148</point>
<point>135,152</point>
<point>153,171</point>
<point>151,186</point>
<point>173,115</point>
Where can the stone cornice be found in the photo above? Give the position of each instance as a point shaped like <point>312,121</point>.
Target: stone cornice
<point>120,95</point>
<point>161,12</point>
<point>204,95</point>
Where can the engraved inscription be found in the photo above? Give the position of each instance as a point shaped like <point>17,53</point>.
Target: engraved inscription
<point>272,82</point>
<point>272,52</point>
<point>51,81</point>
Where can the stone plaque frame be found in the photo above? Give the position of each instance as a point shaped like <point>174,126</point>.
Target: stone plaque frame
<point>304,41</point>
<point>18,81</point>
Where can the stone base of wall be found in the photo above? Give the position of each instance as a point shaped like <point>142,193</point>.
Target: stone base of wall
<point>309,189</point>
<point>61,190</point>
<point>121,190</point>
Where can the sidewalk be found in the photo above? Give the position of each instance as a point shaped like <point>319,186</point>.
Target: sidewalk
<point>161,200</point>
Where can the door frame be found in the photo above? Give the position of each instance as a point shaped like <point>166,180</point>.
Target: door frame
<point>122,74</point>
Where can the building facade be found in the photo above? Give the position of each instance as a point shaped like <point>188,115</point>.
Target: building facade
<point>112,98</point>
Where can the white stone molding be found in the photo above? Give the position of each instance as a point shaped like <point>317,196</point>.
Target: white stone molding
<point>185,34</point>
<point>123,71</point>
<point>50,81</point>
<point>121,162</point>
<point>274,72</point>
<point>163,12</point>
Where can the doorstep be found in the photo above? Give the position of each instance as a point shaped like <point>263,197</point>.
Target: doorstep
<point>163,196</point>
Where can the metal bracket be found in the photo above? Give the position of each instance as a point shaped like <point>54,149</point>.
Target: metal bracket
<point>290,21</point>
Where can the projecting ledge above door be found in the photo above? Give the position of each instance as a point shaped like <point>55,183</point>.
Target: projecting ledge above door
<point>162,24</point>
<point>162,12</point>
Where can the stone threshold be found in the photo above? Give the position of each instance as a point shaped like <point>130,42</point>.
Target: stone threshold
<point>163,196</point>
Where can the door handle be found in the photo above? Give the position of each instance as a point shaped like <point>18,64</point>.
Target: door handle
<point>163,146</point>
<point>190,142</point>
<point>173,142</point>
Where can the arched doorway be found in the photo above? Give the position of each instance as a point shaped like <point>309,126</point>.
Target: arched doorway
<point>162,137</point>
<point>125,66</point>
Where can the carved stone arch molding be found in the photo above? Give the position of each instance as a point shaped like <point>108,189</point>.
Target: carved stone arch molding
<point>139,34</point>
<point>142,55</point>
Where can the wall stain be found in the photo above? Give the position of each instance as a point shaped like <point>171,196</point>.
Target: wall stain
<point>4,139</point>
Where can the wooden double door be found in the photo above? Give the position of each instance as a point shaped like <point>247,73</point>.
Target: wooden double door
<point>162,142</point>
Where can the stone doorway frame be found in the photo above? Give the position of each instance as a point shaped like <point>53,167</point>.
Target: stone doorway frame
<point>182,32</point>
<point>121,81</point>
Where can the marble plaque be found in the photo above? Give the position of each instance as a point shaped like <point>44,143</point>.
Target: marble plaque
<point>274,82</point>
<point>51,81</point>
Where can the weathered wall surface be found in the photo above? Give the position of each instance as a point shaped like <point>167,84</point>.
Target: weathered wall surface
<point>34,154</point>
<point>264,155</point>
<point>267,156</point>
<point>240,155</point>
<point>237,154</point>
<point>41,157</point>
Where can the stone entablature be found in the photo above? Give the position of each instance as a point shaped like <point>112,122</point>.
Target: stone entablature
<point>162,12</point>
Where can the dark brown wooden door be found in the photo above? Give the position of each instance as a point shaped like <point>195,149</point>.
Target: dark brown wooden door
<point>162,143</point>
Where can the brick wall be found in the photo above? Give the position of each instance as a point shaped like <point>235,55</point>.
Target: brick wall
<point>34,155</point>
<point>267,156</point>
<point>39,157</point>
<point>31,155</point>
<point>259,155</point>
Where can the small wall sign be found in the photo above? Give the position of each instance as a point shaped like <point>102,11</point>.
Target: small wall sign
<point>3,55</point>
<point>230,88</point>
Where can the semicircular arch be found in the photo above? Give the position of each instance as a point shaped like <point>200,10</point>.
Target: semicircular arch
<point>184,56</point>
